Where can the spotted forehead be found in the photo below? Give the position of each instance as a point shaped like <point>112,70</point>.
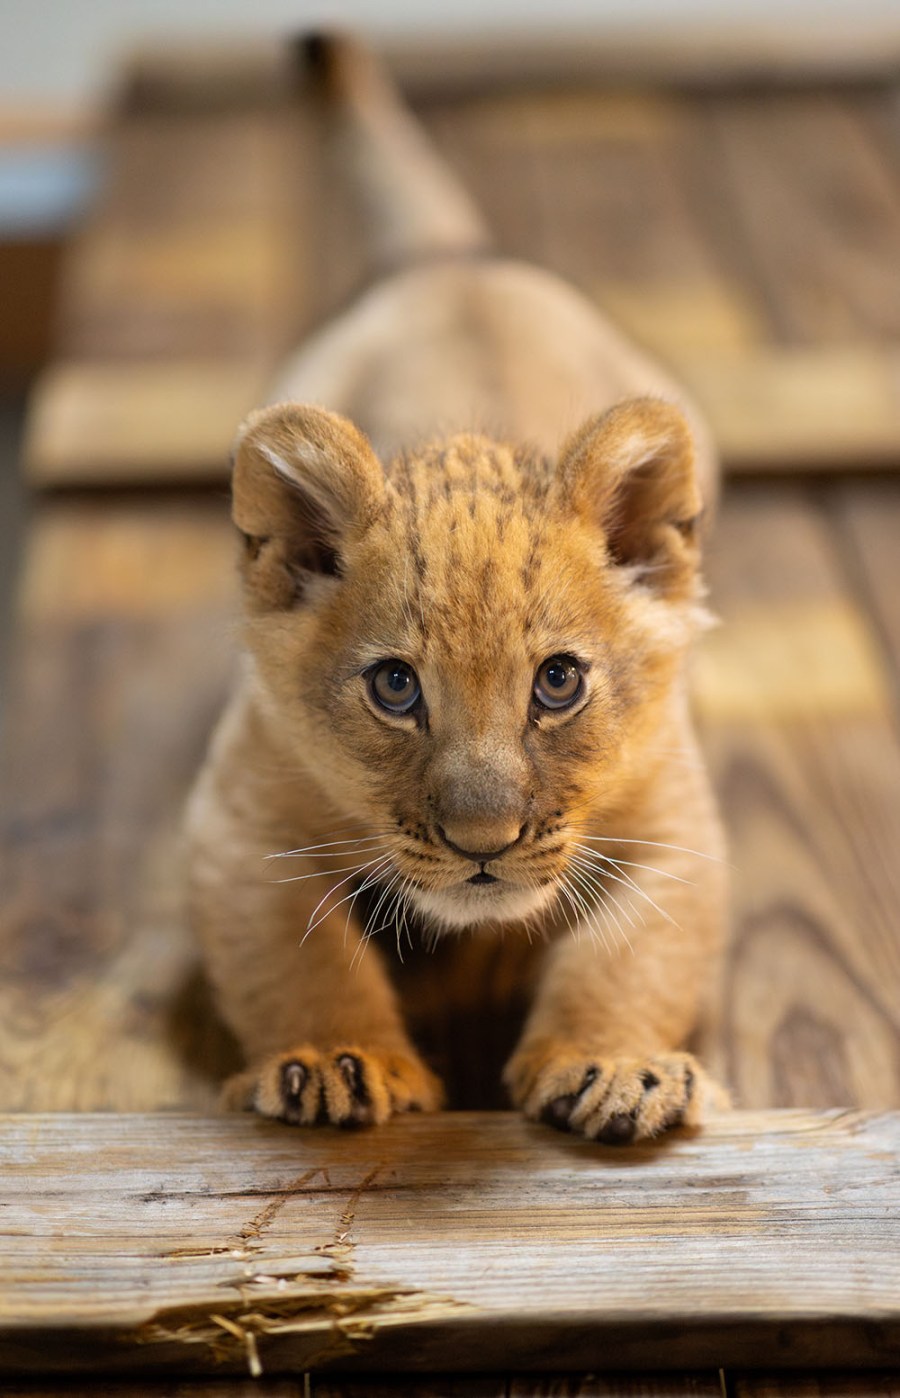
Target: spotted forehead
<point>474,522</point>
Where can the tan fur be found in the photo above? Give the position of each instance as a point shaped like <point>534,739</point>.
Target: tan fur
<point>448,529</point>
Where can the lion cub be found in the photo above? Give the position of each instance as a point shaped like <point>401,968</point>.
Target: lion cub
<point>471,582</point>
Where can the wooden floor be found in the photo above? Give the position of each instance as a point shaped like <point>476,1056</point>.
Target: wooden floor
<point>753,239</point>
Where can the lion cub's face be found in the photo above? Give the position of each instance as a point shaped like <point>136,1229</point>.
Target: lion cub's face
<point>469,650</point>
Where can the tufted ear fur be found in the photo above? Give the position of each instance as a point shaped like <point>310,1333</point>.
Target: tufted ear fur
<point>631,471</point>
<point>304,480</point>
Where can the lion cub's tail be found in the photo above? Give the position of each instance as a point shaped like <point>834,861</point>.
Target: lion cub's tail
<point>414,206</point>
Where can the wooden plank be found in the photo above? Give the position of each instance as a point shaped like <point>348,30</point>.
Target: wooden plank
<point>798,720</point>
<point>772,410</point>
<point>216,75</point>
<point>821,1385</point>
<point>457,1241</point>
<point>154,1387</point>
<point>870,519</point>
<point>694,1385</point>
<point>114,423</point>
<point>696,54</point>
<point>121,661</point>
<point>779,409</point>
<point>400,1386</point>
<point>818,207</point>
<point>623,192</point>
<point>388,1386</point>
<point>178,259</point>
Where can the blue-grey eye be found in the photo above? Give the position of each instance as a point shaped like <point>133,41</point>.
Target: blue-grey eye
<point>395,686</point>
<point>558,682</point>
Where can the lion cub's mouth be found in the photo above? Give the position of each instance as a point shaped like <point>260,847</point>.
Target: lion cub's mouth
<point>483,877</point>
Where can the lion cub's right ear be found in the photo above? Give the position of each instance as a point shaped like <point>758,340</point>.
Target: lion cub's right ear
<point>304,481</point>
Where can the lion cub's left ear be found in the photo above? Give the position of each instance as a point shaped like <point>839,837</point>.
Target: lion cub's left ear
<point>631,472</point>
<point>304,482</point>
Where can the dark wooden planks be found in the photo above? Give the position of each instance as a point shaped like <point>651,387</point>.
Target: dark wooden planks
<point>820,1385</point>
<point>521,1386</point>
<point>474,1242</point>
<point>390,1386</point>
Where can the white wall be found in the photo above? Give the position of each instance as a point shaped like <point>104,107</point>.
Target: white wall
<point>60,52</point>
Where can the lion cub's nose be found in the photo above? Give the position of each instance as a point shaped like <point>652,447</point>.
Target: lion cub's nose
<point>480,843</point>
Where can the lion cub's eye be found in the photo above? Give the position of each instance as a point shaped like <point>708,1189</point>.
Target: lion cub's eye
<point>395,686</point>
<point>558,682</point>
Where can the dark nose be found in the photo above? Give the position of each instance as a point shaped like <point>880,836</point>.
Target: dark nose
<point>478,856</point>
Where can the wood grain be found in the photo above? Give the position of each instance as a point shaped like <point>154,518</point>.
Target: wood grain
<point>460,1240</point>
<point>193,248</point>
<point>797,711</point>
<point>870,522</point>
<point>121,660</point>
<point>819,208</point>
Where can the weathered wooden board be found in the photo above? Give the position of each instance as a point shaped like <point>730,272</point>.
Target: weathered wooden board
<point>458,1241</point>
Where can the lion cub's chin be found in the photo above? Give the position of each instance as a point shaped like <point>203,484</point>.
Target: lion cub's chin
<point>467,905</point>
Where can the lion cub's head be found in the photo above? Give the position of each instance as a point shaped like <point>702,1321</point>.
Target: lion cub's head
<point>471,650</point>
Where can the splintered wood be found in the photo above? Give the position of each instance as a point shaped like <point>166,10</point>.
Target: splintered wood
<point>462,1241</point>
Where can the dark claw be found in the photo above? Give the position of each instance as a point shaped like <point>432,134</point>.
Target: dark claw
<point>557,1112</point>
<point>352,1072</point>
<point>618,1131</point>
<point>688,1085</point>
<point>649,1080</point>
<point>293,1080</point>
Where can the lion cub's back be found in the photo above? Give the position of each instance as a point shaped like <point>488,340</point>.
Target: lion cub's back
<point>476,343</point>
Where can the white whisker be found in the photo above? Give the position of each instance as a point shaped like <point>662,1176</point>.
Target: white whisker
<point>655,844</point>
<point>381,867</point>
<point>374,840</point>
<point>631,864</point>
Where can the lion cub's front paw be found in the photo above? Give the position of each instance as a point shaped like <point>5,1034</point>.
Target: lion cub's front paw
<point>343,1086</point>
<point>613,1100</point>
